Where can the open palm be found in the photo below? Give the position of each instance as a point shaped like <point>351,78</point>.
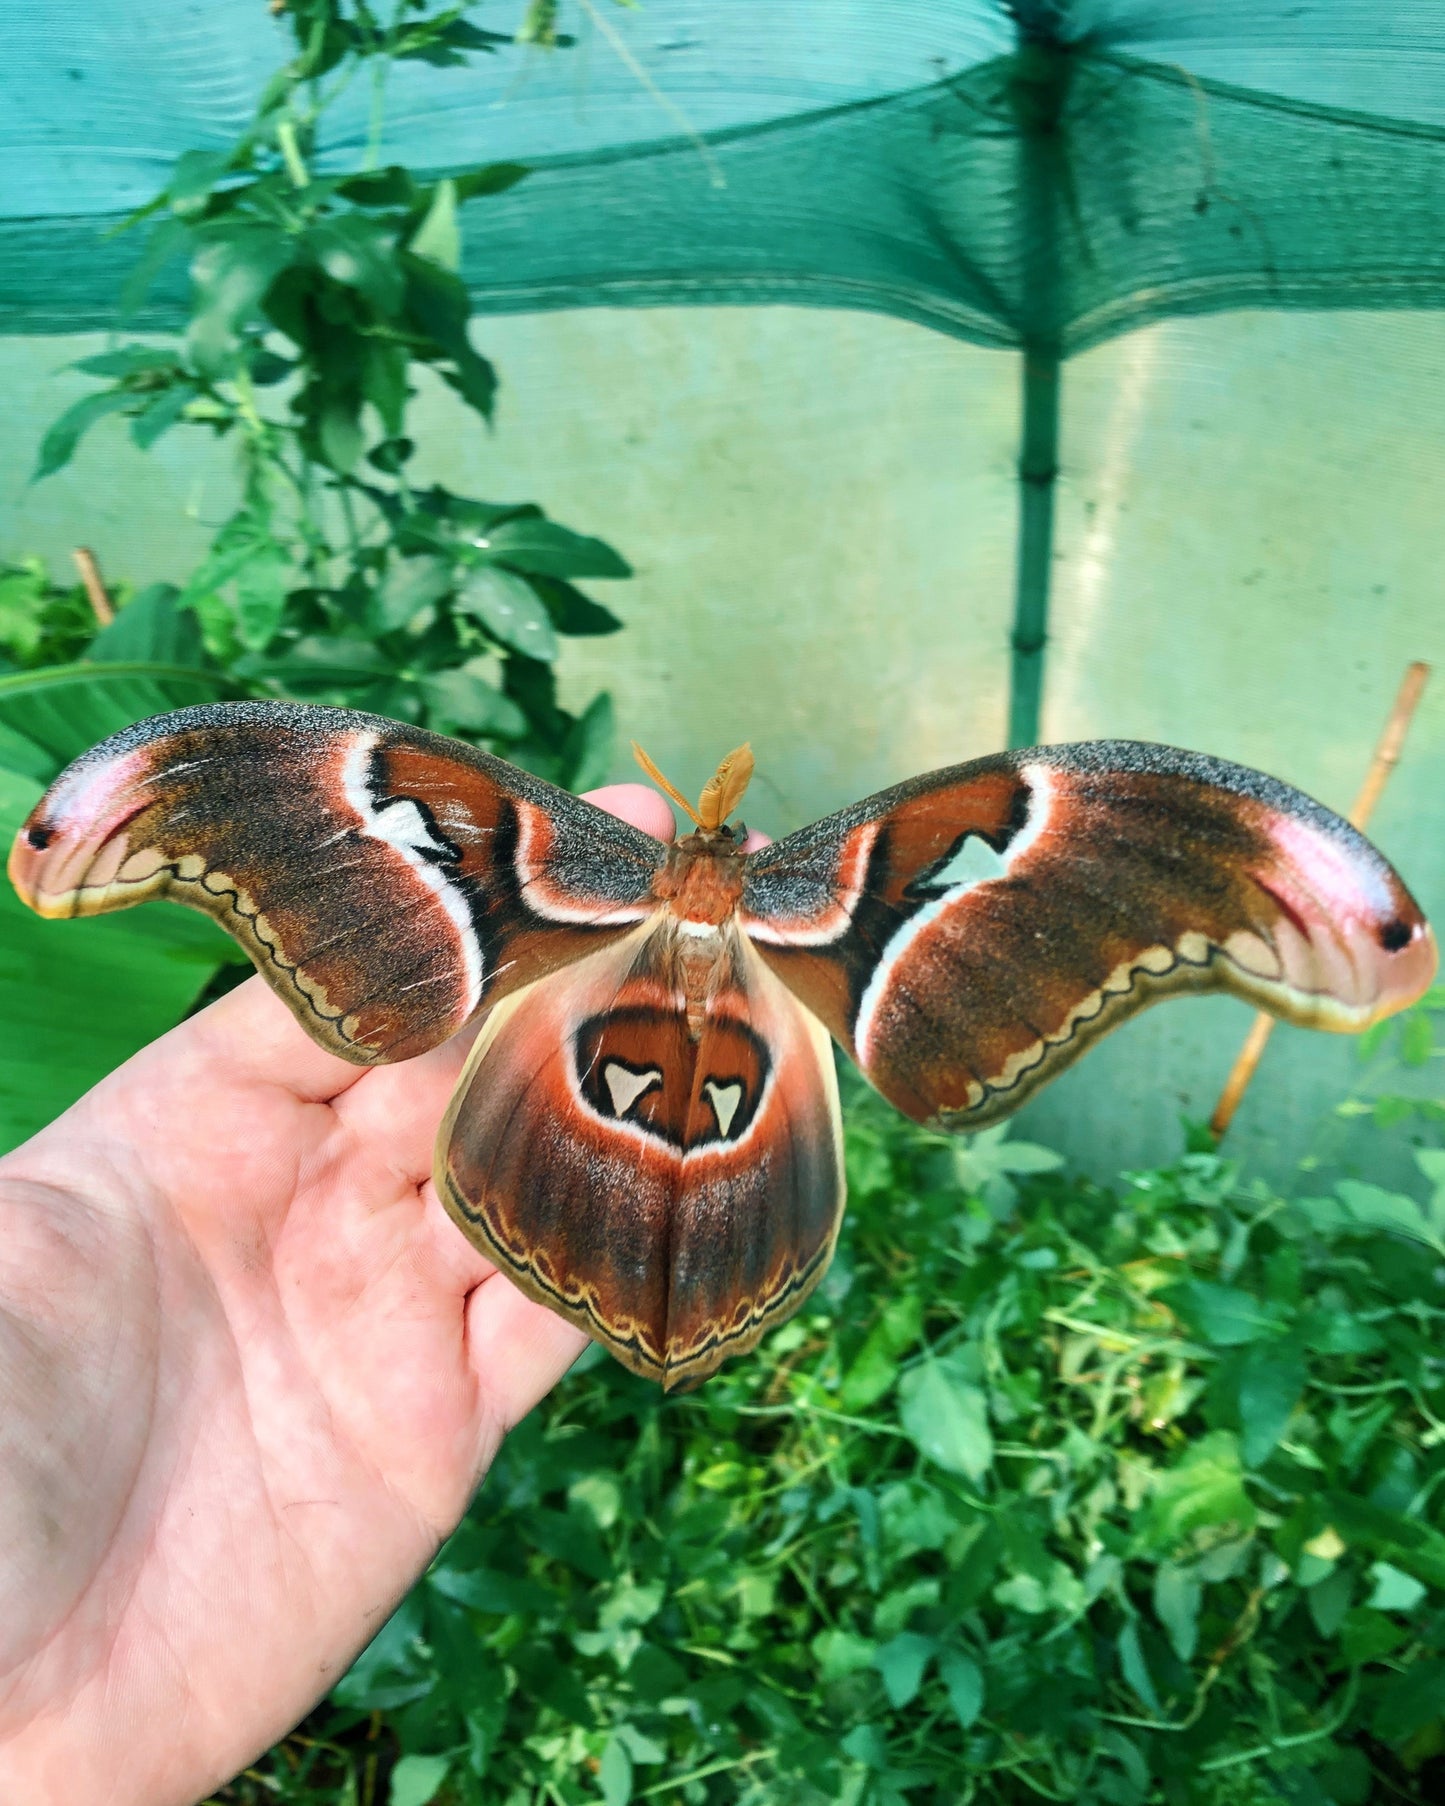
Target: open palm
<point>251,1374</point>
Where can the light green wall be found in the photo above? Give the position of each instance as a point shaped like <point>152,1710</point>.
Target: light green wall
<point>820,507</point>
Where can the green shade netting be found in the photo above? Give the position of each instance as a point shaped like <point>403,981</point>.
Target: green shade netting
<point>1014,174</point>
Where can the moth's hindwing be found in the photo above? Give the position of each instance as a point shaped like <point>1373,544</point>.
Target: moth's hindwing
<point>675,1189</point>
<point>386,881</point>
<point>966,935</point>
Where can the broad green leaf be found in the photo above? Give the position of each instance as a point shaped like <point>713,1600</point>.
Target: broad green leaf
<point>160,415</point>
<point>66,709</point>
<point>876,1366</point>
<point>1405,1542</point>
<point>842,1652</point>
<point>58,446</point>
<point>78,998</point>
<point>1177,1598</point>
<point>416,1780</point>
<point>261,584</point>
<point>509,608</point>
<point>126,360</point>
<point>1417,1038</point>
<point>1271,1383</point>
<point>614,1773</point>
<point>1395,1590</point>
<point>464,698</point>
<point>21,755</point>
<point>1133,1666</point>
<point>232,271</point>
<point>587,751</point>
<point>1204,1490</point>
<point>902,1662</point>
<point>492,178</point>
<point>151,628</point>
<point>963,1682</point>
<point>438,238</point>
<point>946,1418</point>
<point>573,613</point>
<point>552,551</point>
<point>409,586</point>
<point>1376,1208</point>
<point>1223,1315</point>
<point>1411,1700</point>
<point>359,253</point>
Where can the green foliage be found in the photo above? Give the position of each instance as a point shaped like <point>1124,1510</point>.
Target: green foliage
<point>317,300</point>
<point>1054,1492</point>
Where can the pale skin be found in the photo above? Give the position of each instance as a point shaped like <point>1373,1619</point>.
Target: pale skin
<point>250,1376</point>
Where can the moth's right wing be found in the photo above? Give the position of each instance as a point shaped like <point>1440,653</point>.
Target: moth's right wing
<point>386,881</point>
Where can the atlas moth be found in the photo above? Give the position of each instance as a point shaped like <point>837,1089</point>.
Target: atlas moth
<point>646,1134</point>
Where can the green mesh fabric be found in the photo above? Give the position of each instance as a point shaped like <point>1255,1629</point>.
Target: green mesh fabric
<point>1069,172</point>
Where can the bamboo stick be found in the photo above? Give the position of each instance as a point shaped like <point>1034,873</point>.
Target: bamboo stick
<point>94,588</point>
<point>1387,756</point>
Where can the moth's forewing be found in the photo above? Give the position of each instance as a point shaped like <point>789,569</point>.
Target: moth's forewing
<point>968,934</point>
<point>674,1196</point>
<point>386,881</point>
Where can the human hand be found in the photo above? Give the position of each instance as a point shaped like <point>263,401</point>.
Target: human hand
<point>251,1375</point>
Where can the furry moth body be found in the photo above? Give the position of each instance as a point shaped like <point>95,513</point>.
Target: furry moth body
<point>646,1134</point>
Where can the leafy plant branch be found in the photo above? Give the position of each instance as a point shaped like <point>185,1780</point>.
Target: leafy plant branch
<point>318,300</point>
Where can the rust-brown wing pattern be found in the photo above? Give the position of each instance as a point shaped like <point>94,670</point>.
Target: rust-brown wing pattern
<point>673,1187</point>
<point>969,933</point>
<point>386,881</point>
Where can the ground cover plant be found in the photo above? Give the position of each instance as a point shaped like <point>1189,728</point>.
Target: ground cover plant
<point>1057,1491</point>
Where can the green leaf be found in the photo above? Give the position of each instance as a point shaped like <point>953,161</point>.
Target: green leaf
<point>342,439</point>
<point>58,446</point>
<point>1404,1542</point>
<point>232,271</point>
<point>491,178</point>
<point>65,709</point>
<point>550,550</point>
<point>1271,1383</point>
<point>261,583</point>
<point>902,1662</point>
<point>417,1779</point>
<point>876,1365</point>
<point>1177,1598</point>
<point>438,238</point>
<point>1417,1038</point>
<point>1411,1700</point>
<point>1205,1490</point>
<point>359,253</point>
<point>409,586</point>
<point>464,698</point>
<point>963,1682</point>
<point>573,613</point>
<point>614,1773</point>
<point>508,607</point>
<point>78,998</point>
<point>840,1653</point>
<point>152,627</point>
<point>587,750</point>
<point>1222,1315</point>
<point>946,1418</point>
<point>160,415</point>
<point>1395,1590</point>
<point>126,360</point>
<point>1133,1666</point>
<point>196,174</point>
<point>1375,1208</point>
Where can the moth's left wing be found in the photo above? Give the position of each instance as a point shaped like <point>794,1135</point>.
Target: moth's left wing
<point>967,934</point>
<point>673,1187</point>
<point>386,881</point>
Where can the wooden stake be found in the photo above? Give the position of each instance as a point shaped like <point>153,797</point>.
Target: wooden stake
<point>94,588</point>
<point>1387,757</point>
